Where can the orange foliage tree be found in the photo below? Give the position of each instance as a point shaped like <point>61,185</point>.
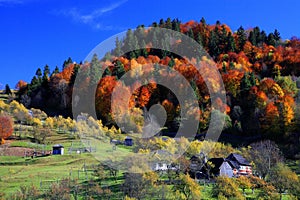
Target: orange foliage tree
<point>6,127</point>
<point>21,84</point>
<point>103,96</point>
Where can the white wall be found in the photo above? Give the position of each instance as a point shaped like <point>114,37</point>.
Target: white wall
<point>226,170</point>
<point>160,166</point>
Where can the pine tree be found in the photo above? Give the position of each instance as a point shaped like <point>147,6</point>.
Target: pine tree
<point>46,70</point>
<point>107,56</point>
<point>245,83</point>
<point>136,52</point>
<point>277,35</point>
<point>154,24</point>
<point>74,74</point>
<point>271,39</point>
<point>144,51</point>
<point>56,71</point>
<point>199,39</point>
<point>224,68</point>
<point>263,36</point>
<point>203,21</point>
<point>7,90</point>
<point>140,34</point>
<point>95,70</point>
<point>131,43</point>
<point>34,81</point>
<point>171,62</point>
<point>223,36</point>
<point>231,65</point>
<point>256,32</point>
<point>165,41</point>
<point>231,47</point>
<point>39,74</point>
<point>214,49</point>
<point>118,70</point>
<point>176,25</point>
<point>161,23</point>
<point>190,33</point>
<point>252,38</point>
<point>118,49</point>
<point>252,79</point>
<point>67,62</point>
<point>242,38</point>
<point>168,24</point>
<point>154,40</point>
<point>34,84</point>
<point>45,77</point>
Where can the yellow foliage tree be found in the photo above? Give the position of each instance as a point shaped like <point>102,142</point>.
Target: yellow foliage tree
<point>187,188</point>
<point>37,122</point>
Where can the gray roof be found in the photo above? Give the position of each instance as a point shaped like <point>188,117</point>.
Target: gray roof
<point>237,159</point>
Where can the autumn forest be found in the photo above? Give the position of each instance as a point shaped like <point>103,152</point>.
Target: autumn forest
<point>259,71</point>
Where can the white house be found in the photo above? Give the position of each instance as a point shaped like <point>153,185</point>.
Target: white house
<point>240,166</point>
<point>233,166</point>
<point>160,166</point>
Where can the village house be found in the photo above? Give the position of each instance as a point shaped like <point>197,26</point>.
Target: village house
<point>162,161</point>
<point>234,165</point>
<point>240,166</point>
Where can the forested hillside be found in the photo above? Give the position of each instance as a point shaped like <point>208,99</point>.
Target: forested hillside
<point>260,72</point>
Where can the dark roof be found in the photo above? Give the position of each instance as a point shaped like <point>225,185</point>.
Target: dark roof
<point>217,162</point>
<point>233,164</point>
<point>58,146</point>
<point>237,158</point>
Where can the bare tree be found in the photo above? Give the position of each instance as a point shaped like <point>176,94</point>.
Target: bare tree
<point>264,155</point>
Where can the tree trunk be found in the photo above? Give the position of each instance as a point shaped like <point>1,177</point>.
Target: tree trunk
<point>280,196</point>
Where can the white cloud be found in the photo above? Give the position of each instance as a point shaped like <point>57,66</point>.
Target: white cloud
<point>93,17</point>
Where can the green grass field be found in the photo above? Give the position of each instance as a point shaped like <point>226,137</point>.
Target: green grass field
<point>40,171</point>
<point>43,171</point>
<point>16,171</point>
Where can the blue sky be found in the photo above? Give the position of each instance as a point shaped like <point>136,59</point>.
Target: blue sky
<point>34,33</point>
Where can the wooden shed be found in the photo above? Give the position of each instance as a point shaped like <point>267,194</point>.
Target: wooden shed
<point>58,149</point>
<point>128,141</point>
